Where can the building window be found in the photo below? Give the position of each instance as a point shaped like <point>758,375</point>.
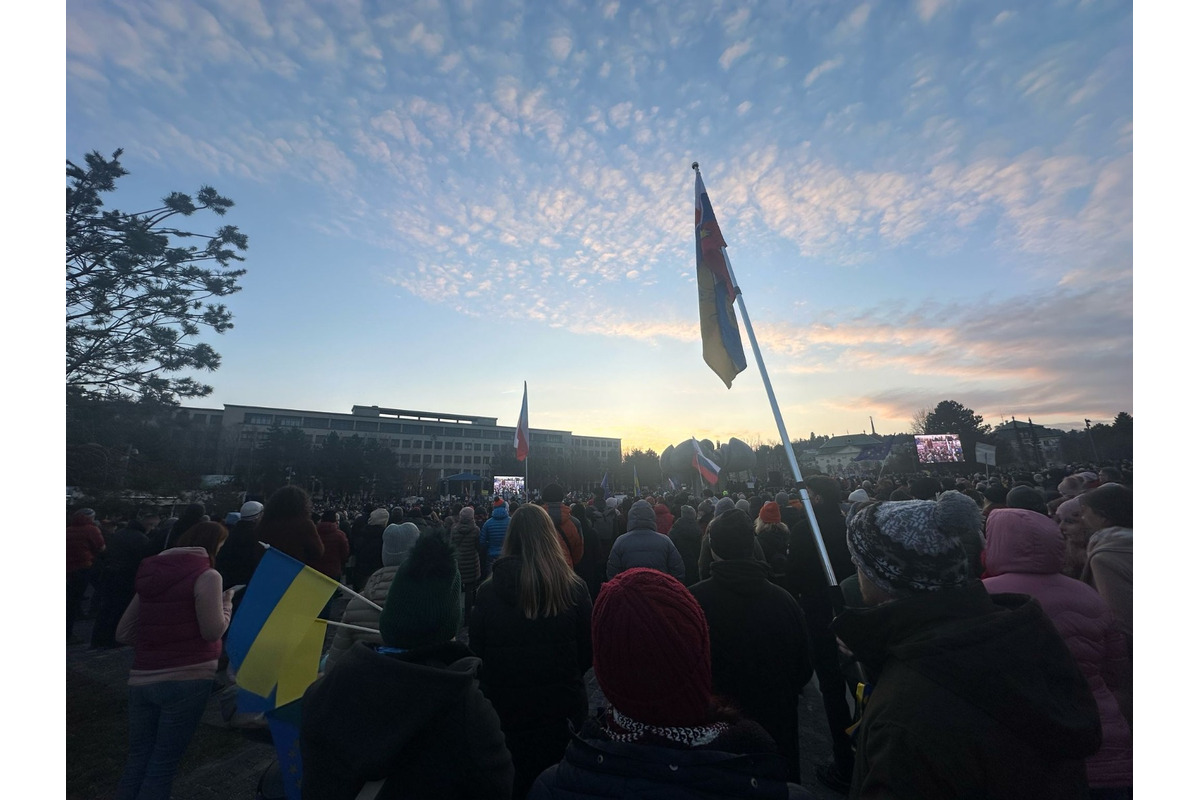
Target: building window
<point>437,445</point>
<point>316,422</point>
<point>372,427</point>
<point>477,459</point>
<point>406,443</point>
<point>427,460</point>
<point>341,424</point>
<point>389,427</point>
<point>288,422</point>
<point>458,445</point>
<point>411,428</point>
<point>428,445</point>
<point>437,459</point>
<point>258,419</point>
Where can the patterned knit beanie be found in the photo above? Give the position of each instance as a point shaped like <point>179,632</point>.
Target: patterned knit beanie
<point>423,605</point>
<point>914,546</point>
<point>651,649</point>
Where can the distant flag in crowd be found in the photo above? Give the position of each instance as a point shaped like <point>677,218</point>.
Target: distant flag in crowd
<point>708,470</point>
<point>874,452</point>
<point>637,485</point>
<point>275,638</point>
<point>604,485</point>
<point>718,326</point>
<point>673,484</point>
<point>521,437</point>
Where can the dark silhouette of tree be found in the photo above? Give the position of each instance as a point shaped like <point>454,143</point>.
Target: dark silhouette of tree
<point>137,291</point>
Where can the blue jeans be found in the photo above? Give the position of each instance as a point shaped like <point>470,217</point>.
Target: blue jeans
<point>162,719</point>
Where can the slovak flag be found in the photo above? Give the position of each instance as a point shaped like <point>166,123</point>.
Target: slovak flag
<point>521,437</point>
<point>708,470</point>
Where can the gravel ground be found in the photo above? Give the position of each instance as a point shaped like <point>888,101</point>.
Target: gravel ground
<point>224,763</point>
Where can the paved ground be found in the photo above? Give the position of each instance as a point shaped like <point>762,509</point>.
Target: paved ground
<point>225,764</point>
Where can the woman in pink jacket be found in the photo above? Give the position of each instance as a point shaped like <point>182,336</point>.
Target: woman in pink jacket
<point>174,623</point>
<point>1025,553</point>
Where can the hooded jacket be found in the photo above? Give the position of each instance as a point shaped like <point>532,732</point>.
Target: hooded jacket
<point>337,550</point>
<point>532,669</point>
<point>416,720</point>
<point>685,534</point>
<point>1025,553</point>
<point>491,535</point>
<point>1109,569</point>
<point>663,518</point>
<point>974,696</point>
<point>464,538</point>
<point>643,546</point>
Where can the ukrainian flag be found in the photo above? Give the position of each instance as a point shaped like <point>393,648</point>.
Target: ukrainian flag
<point>275,639</point>
<point>718,326</point>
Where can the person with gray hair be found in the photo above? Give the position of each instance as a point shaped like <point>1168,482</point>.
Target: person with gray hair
<point>974,695</point>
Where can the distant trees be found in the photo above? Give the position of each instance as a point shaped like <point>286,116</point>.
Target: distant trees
<point>138,292</point>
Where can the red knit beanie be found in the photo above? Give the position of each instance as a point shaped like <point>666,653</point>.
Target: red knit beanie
<point>769,513</point>
<point>650,649</point>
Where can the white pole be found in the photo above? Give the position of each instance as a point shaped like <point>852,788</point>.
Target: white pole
<point>787,443</point>
<point>351,627</point>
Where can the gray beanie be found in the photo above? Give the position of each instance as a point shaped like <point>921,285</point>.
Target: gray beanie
<point>723,505</point>
<point>742,505</point>
<point>913,546</point>
<point>398,541</point>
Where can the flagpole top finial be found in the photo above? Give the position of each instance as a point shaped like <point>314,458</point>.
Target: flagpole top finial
<point>696,165</point>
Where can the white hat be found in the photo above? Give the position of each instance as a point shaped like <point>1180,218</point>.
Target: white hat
<point>251,509</point>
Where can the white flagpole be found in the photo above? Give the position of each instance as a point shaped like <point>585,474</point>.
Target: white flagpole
<point>787,443</point>
<point>351,627</point>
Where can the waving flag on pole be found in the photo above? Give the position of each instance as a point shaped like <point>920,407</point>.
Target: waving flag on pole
<point>707,469</point>
<point>521,437</point>
<point>604,485</point>
<point>637,486</point>
<point>718,325</point>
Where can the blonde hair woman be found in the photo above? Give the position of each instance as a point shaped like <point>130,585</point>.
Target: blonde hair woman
<point>531,626</point>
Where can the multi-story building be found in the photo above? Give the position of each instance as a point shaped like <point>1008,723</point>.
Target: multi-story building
<point>439,444</point>
<point>1031,444</point>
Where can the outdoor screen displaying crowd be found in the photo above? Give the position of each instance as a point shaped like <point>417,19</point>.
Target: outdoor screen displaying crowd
<point>990,618</point>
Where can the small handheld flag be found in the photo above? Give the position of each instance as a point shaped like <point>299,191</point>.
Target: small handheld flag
<point>521,437</point>
<point>275,638</point>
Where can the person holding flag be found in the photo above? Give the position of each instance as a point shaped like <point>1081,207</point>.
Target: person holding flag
<point>408,715</point>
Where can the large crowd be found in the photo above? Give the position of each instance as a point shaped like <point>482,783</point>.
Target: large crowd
<point>978,642</point>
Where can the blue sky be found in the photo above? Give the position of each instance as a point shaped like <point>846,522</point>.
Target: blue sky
<point>922,200</point>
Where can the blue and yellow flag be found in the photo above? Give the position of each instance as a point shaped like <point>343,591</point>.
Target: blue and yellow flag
<point>718,326</point>
<point>275,639</point>
<point>637,485</point>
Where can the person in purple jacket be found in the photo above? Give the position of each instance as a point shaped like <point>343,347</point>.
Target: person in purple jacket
<point>1025,553</point>
<point>175,623</point>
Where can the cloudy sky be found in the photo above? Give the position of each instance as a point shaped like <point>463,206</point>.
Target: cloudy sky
<point>922,200</point>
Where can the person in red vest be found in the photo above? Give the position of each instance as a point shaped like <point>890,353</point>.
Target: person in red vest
<point>175,623</point>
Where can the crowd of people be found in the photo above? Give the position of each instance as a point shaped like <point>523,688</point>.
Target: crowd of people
<point>976,638</point>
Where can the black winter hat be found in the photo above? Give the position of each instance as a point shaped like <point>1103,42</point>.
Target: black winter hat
<point>424,603</point>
